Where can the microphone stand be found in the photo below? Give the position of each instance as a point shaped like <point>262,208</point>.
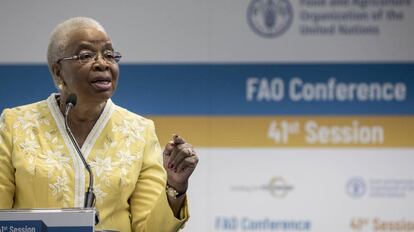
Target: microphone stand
<point>89,195</point>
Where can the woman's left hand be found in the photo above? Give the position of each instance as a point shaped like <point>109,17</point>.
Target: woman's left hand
<point>180,160</point>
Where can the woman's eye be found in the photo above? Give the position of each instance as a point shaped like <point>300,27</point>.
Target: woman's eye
<point>109,55</point>
<point>86,55</point>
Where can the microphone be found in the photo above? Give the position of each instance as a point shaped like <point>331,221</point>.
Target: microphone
<point>89,195</point>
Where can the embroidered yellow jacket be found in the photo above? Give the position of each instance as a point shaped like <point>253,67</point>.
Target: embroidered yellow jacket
<point>39,167</point>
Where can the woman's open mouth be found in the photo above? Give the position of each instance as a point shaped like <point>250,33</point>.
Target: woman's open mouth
<point>102,84</point>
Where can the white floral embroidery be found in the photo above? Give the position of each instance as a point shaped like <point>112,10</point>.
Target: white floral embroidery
<point>138,125</point>
<point>123,128</point>
<point>102,166</point>
<point>56,160</point>
<point>2,124</point>
<point>125,161</point>
<point>29,146</point>
<point>108,144</point>
<point>29,119</point>
<point>100,195</point>
<point>131,130</point>
<point>60,186</point>
<point>124,171</point>
<point>42,150</point>
<point>52,139</point>
<point>44,120</point>
<point>125,158</point>
<point>60,189</point>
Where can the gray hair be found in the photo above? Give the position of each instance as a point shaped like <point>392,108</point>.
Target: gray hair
<point>59,40</point>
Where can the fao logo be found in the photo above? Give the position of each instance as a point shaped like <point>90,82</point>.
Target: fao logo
<point>269,18</point>
<point>356,187</point>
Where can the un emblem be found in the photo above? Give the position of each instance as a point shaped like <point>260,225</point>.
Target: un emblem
<point>356,187</point>
<point>269,18</point>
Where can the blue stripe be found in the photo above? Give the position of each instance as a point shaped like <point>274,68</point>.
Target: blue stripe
<point>220,89</point>
<point>70,229</point>
<point>39,225</point>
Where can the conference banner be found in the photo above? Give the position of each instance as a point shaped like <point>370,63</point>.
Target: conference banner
<point>302,111</point>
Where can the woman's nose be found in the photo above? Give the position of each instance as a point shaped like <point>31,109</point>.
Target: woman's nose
<point>100,64</point>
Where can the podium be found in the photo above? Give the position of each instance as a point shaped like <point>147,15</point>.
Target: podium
<point>47,220</point>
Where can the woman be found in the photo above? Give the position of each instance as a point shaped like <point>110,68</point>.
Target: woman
<point>136,188</point>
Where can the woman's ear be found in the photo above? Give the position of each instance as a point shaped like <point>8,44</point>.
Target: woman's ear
<point>56,70</point>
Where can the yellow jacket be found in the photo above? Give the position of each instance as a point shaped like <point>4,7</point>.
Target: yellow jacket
<point>39,167</point>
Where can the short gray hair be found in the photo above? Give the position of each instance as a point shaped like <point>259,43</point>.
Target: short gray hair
<point>59,40</point>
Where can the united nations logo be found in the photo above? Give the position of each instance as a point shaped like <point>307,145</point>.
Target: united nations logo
<point>356,187</point>
<point>269,18</point>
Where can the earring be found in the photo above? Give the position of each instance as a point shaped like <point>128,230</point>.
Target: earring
<point>59,83</point>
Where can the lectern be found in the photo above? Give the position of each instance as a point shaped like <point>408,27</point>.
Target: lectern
<point>47,220</point>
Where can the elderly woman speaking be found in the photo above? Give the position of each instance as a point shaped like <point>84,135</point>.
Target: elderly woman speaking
<point>137,186</point>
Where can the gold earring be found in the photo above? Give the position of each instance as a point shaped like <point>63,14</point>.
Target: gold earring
<point>59,83</point>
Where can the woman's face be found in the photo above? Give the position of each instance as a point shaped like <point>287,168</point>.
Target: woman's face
<point>95,81</point>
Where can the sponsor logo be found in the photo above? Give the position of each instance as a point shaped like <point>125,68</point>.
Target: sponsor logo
<point>276,186</point>
<point>358,187</point>
<point>269,18</point>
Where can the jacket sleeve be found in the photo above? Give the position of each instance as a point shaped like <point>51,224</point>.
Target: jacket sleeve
<point>150,210</point>
<point>7,181</point>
